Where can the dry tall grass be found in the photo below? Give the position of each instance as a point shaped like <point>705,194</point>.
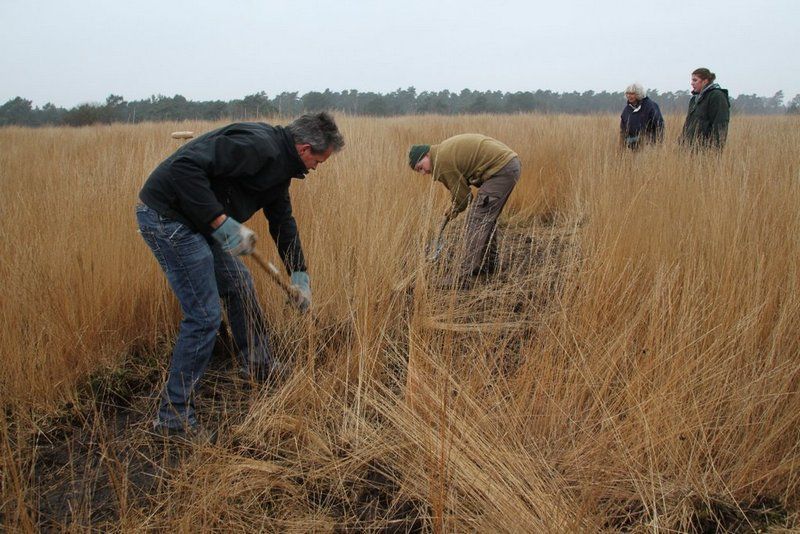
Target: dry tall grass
<point>635,365</point>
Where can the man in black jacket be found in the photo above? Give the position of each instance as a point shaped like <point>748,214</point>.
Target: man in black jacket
<point>191,214</point>
<point>709,112</point>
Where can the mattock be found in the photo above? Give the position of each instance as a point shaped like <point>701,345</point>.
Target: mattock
<point>433,251</point>
<point>294,295</point>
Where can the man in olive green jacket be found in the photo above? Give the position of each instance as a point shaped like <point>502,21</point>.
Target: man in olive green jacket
<point>472,160</point>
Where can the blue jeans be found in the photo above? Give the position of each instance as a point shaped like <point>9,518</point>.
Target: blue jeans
<point>199,273</point>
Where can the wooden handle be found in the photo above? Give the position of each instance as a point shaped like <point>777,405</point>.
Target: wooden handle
<point>273,272</point>
<point>432,256</point>
<point>442,225</point>
<point>435,247</point>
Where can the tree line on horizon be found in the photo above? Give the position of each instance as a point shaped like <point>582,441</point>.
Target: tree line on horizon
<point>20,111</point>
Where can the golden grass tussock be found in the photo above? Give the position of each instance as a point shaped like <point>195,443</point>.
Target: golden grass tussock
<point>632,366</point>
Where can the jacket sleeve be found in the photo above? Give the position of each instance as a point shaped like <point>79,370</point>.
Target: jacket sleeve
<point>661,127</point>
<point>283,229</point>
<point>622,129</point>
<point>718,118</point>
<point>657,124</point>
<point>459,191</point>
<point>195,165</point>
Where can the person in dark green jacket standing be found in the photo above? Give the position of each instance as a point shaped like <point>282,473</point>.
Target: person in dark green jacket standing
<point>709,112</point>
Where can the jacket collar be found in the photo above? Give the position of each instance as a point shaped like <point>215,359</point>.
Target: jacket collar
<point>638,105</point>
<point>433,152</point>
<point>296,166</point>
<point>708,88</point>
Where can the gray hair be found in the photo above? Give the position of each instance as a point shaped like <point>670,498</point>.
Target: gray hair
<point>318,130</point>
<point>637,89</point>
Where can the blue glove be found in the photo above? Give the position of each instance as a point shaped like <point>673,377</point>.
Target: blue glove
<point>300,282</point>
<point>234,237</point>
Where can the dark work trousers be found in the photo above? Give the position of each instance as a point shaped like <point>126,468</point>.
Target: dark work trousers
<point>480,240</point>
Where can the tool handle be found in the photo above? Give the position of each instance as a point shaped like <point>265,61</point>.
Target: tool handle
<point>435,248</point>
<point>442,225</point>
<point>273,272</point>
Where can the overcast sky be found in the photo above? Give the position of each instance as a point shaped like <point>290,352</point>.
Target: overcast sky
<point>74,52</point>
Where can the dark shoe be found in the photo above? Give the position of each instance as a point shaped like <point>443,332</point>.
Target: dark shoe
<point>193,436</point>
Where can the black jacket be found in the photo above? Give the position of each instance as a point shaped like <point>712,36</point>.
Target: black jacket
<point>707,119</point>
<point>641,123</point>
<point>237,170</point>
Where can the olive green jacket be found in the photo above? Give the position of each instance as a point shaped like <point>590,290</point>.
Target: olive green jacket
<point>464,160</point>
<point>707,119</point>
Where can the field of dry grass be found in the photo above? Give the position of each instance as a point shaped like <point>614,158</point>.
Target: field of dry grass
<point>634,366</point>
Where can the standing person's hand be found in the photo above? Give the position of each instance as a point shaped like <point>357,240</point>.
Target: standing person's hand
<point>300,282</point>
<point>234,237</point>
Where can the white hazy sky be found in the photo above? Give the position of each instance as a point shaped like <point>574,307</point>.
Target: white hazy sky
<point>74,52</point>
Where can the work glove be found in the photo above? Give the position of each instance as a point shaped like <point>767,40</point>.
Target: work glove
<point>300,282</point>
<point>234,237</point>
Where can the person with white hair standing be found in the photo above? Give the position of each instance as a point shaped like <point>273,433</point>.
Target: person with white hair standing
<point>641,121</point>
